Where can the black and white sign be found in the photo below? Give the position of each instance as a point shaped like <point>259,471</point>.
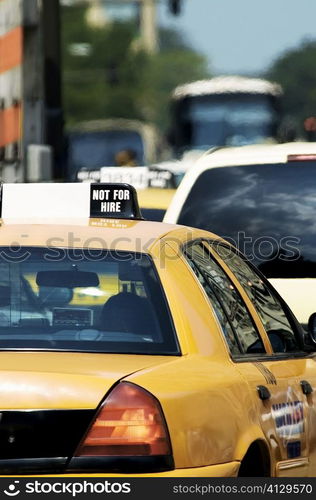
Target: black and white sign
<point>114,200</point>
<point>139,177</point>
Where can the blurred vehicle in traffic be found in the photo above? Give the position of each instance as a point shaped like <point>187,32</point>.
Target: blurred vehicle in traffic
<point>111,142</point>
<point>154,202</point>
<point>262,198</point>
<point>225,110</point>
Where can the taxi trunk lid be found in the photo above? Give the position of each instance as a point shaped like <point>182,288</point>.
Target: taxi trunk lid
<point>47,401</point>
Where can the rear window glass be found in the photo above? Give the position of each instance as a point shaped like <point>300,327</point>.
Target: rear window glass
<point>83,300</point>
<point>267,211</point>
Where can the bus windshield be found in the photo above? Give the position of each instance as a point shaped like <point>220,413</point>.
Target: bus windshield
<point>92,150</point>
<point>225,119</point>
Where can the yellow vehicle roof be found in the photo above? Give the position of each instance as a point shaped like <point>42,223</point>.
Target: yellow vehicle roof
<point>155,198</point>
<point>124,234</point>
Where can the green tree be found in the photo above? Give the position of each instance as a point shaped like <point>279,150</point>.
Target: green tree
<point>103,82</point>
<point>295,70</point>
<point>166,70</point>
<point>113,78</point>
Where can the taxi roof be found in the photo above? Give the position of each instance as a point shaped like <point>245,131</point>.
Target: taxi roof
<point>129,235</point>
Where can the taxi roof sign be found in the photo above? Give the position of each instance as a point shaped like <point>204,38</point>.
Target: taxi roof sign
<point>114,200</point>
<point>69,200</point>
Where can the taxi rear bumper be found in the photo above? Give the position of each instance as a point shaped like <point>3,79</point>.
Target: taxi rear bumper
<point>229,469</point>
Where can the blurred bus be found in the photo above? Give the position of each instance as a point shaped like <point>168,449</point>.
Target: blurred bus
<point>98,143</point>
<point>225,111</point>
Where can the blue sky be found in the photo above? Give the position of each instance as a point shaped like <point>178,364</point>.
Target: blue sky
<point>243,36</point>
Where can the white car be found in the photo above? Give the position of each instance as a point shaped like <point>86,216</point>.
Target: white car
<point>262,198</point>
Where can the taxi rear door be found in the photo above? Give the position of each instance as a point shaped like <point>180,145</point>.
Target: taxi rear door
<point>276,402</point>
<point>285,399</point>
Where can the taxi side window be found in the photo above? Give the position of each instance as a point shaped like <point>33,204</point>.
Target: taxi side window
<point>231,311</point>
<point>230,336</point>
<point>269,308</point>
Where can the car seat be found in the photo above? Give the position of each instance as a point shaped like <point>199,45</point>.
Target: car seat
<point>130,313</point>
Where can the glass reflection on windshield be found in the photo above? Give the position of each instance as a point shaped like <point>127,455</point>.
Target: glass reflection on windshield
<point>273,209</point>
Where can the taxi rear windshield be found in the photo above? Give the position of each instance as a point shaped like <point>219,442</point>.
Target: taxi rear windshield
<point>83,300</point>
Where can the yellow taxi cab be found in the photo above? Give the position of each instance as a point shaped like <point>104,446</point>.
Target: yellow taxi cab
<point>191,365</point>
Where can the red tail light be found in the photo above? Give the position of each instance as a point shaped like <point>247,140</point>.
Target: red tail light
<point>301,157</point>
<point>129,423</point>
